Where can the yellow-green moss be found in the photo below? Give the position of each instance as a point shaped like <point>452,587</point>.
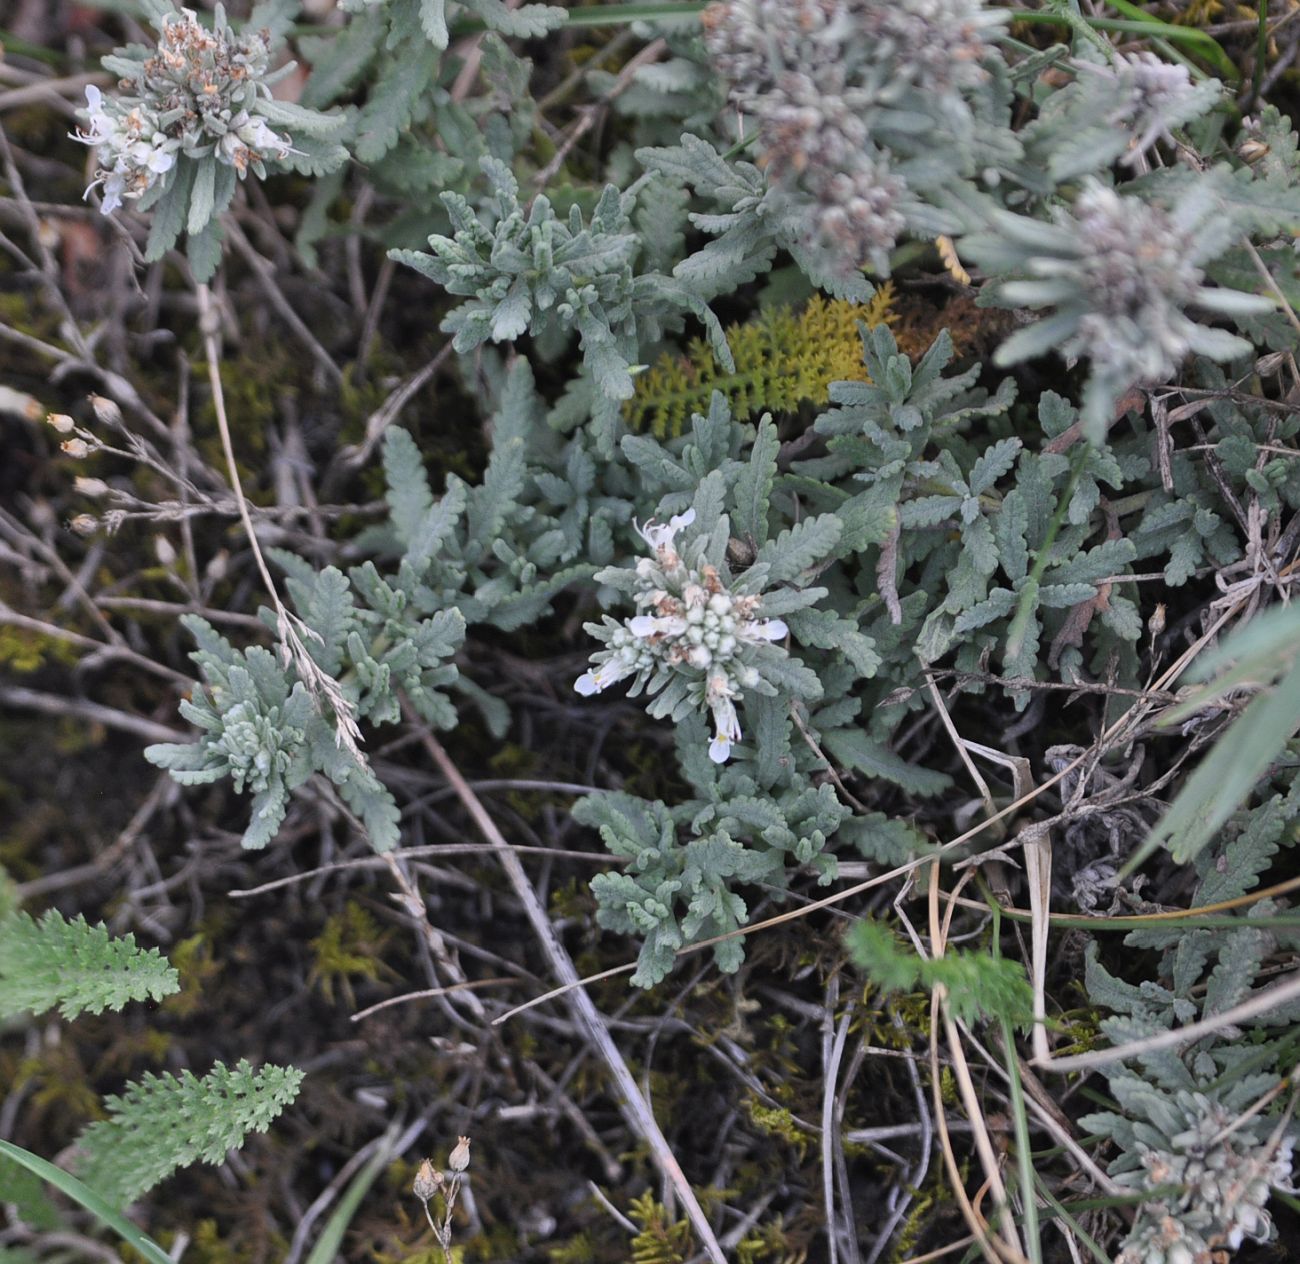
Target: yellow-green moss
<point>660,1240</point>
<point>349,947</point>
<point>783,358</point>
<point>24,651</point>
<point>777,1121</point>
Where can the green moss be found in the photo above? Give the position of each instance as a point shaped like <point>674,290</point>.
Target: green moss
<point>61,1097</point>
<point>660,1240</point>
<point>347,949</point>
<point>24,651</point>
<point>777,1121</point>
<point>765,1242</point>
<point>577,1250</point>
<point>194,962</point>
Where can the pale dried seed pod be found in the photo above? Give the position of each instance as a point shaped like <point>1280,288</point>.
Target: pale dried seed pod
<point>428,1180</point>
<point>106,410</point>
<point>458,1160</point>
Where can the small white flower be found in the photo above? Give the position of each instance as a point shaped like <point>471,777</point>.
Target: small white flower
<point>691,628</point>
<point>646,626</point>
<point>660,536</point>
<point>719,694</point>
<point>766,630</point>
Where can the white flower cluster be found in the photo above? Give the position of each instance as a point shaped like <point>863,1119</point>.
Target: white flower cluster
<point>695,627</point>
<point>197,96</point>
<point>133,151</point>
<point>1224,1170</point>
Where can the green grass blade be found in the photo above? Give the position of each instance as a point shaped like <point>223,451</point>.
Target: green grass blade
<point>81,1193</point>
<point>326,1249</point>
<point>1227,774</point>
<point>1097,1253</point>
<point>617,14</point>
<point>1024,1155</point>
<point>1197,41</point>
<point>1261,56</point>
<point>1206,45</point>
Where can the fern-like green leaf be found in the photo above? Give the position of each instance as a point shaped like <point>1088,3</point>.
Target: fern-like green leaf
<point>75,966</point>
<point>164,1122</point>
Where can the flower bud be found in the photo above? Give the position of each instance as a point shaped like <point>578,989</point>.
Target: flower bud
<point>428,1180</point>
<point>84,524</point>
<point>163,550</point>
<point>77,449</point>
<point>61,422</point>
<point>1251,150</point>
<point>458,1160</point>
<point>216,569</point>
<point>91,486</point>
<point>106,410</point>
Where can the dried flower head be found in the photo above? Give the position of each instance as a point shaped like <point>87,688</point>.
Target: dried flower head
<point>105,409</point>
<point>1223,1169</point>
<point>828,82</point>
<point>1141,97</point>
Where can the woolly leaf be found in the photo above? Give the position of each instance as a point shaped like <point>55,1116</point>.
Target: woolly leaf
<point>754,487</point>
<point>828,631</point>
<point>396,97</point>
<point>408,495</point>
<point>799,547</point>
<point>853,749</point>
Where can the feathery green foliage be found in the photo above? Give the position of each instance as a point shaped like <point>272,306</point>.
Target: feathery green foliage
<point>166,1122</point>
<point>75,966</point>
<point>976,985</point>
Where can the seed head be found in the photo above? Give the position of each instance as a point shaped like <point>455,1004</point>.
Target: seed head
<point>458,1160</point>
<point>428,1180</point>
<point>106,410</point>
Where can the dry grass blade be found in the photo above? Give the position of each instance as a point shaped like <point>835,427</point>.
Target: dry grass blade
<point>1261,1003</point>
<point>633,1106</point>
<point>324,689</point>
<point>1009,1248</point>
